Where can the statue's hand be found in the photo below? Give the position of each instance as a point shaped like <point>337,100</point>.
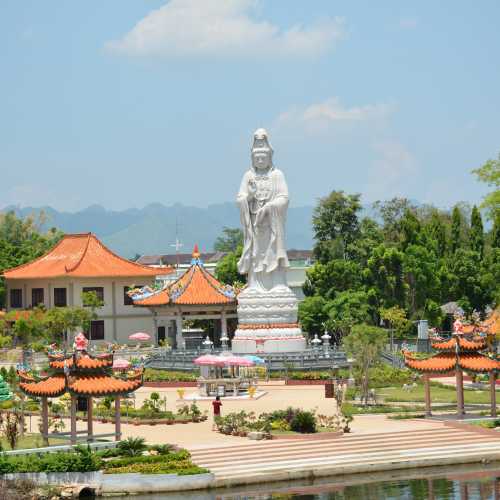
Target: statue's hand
<point>252,189</point>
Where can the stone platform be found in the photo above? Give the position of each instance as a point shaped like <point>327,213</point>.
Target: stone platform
<point>267,322</point>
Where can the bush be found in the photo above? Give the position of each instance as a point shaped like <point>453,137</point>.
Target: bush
<point>132,446</point>
<point>153,375</point>
<point>303,422</point>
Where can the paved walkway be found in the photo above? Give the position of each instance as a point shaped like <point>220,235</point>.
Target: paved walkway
<point>436,444</point>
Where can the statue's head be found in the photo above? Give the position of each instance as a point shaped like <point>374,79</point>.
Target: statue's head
<point>262,152</point>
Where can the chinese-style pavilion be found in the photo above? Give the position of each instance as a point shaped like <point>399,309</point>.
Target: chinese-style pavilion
<point>460,353</point>
<point>195,295</point>
<point>83,376</point>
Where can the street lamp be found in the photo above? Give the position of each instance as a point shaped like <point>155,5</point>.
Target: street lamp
<point>326,343</point>
<point>225,342</point>
<point>315,342</point>
<point>207,344</point>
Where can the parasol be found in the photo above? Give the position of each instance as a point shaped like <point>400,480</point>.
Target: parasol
<point>140,336</point>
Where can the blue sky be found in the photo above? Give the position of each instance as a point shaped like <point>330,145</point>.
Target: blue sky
<point>127,102</point>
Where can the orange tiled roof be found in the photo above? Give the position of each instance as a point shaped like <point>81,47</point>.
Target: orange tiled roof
<point>446,361</point>
<point>100,385</point>
<point>51,387</point>
<point>443,362</point>
<point>463,343</point>
<point>82,385</point>
<point>83,256</point>
<point>478,363</point>
<point>84,362</point>
<point>195,287</point>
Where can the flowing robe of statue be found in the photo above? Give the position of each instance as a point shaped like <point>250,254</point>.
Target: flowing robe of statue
<point>264,256</point>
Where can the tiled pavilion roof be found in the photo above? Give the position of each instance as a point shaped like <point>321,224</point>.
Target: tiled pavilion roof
<point>457,352</point>
<point>82,256</point>
<point>88,376</point>
<point>447,361</point>
<point>463,344</point>
<point>195,287</point>
<point>84,362</point>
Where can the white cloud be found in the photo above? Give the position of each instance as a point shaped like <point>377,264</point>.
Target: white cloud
<point>320,117</point>
<point>221,28</point>
<point>393,170</point>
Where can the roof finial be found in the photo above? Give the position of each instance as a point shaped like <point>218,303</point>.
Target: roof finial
<point>196,252</point>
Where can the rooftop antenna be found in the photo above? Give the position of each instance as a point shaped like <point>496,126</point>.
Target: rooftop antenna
<point>177,245</point>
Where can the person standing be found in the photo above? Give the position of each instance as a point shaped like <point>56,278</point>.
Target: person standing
<point>216,406</point>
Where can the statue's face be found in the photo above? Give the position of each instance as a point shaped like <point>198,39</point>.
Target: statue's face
<point>261,158</point>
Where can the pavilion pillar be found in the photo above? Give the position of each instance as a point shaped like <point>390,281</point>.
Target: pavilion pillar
<point>45,421</point>
<point>90,416</point>
<point>179,340</point>
<point>427,389</point>
<point>73,420</point>
<point>493,394</point>
<point>118,424</point>
<point>223,323</point>
<point>460,391</point>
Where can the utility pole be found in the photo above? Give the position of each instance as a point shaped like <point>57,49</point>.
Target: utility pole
<point>177,245</point>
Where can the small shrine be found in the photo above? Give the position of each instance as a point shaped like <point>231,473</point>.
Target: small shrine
<point>194,295</point>
<point>462,352</point>
<point>84,377</point>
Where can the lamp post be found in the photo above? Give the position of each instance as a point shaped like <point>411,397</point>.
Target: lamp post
<point>207,344</point>
<point>225,342</point>
<point>326,343</point>
<point>315,342</point>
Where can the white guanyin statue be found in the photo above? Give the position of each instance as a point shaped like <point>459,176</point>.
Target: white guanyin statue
<point>267,308</point>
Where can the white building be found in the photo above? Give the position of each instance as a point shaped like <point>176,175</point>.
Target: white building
<point>81,263</point>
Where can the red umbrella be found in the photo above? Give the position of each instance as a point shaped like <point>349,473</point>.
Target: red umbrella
<point>121,364</point>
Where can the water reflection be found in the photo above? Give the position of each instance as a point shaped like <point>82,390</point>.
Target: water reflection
<point>471,482</point>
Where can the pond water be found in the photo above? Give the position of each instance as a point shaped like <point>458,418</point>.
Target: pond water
<point>473,482</point>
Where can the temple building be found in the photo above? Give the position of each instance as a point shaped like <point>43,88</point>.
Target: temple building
<point>195,295</point>
<point>81,263</point>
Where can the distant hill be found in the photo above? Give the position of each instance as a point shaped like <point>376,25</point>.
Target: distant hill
<point>152,229</point>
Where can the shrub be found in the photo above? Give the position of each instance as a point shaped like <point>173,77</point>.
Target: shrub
<point>153,375</point>
<point>303,422</point>
<point>132,446</point>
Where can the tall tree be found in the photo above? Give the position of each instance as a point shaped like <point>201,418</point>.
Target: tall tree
<point>476,232</point>
<point>391,212</point>
<point>456,229</point>
<point>437,233</point>
<point>490,174</point>
<point>410,229</point>
<point>495,232</point>
<point>335,219</point>
<point>229,240</point>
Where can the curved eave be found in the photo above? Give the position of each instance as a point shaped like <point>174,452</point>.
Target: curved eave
<point>102,385</point>
<point>51,387</point>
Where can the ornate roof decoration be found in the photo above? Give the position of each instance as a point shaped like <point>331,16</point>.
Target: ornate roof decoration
<point>81,374</point>
<point>83,256</point>
<point>195,287</point>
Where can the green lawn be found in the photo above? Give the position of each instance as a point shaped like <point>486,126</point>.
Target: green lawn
<point>439,394</point>
<point>32,441</point>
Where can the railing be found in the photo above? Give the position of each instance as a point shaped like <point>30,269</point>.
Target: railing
<point>310,359</point>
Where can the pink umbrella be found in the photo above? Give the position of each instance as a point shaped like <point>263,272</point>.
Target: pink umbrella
<point>121,364</point>
<point>140,336</point>
<point>209,360</point>
<point>236,361</point>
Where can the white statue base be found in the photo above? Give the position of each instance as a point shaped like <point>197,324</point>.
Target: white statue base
<point>267,322</point>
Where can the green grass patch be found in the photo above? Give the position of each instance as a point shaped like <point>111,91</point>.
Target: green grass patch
<point>32,441</point>
<point>439,394</point>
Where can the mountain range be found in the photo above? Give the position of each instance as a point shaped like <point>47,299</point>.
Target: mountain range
<point>154,228</point>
